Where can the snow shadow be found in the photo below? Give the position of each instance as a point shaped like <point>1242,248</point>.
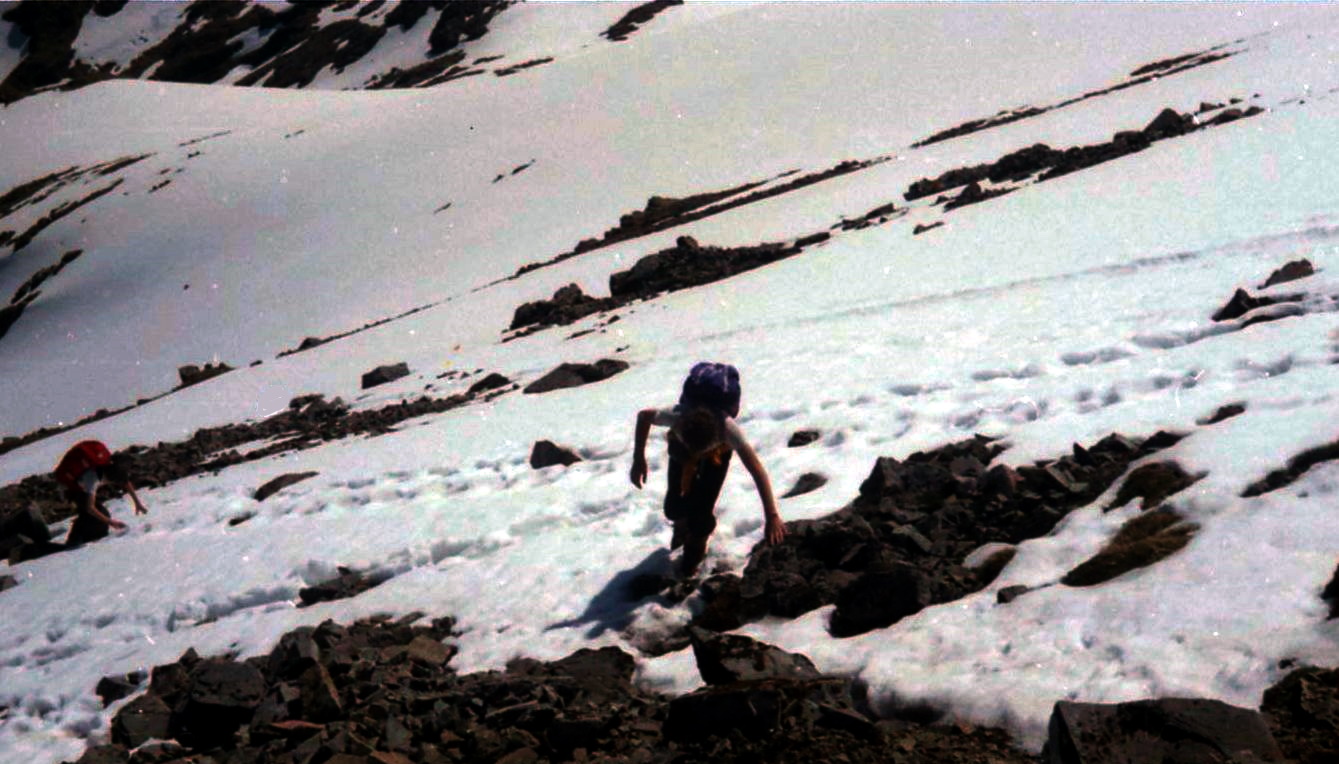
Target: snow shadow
<point>612,607</point>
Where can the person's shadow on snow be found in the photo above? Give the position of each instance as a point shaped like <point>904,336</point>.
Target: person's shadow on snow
<point>612,607</point>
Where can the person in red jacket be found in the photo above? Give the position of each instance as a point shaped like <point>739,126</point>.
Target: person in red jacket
<point>83,470</point>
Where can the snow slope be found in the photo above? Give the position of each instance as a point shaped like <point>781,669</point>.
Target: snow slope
<point>1053,315</point>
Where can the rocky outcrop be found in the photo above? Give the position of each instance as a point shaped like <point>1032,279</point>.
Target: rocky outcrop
<point>903,543</point>
<point>688,264</point>
<point>1044,162</point>
<point>568,305</point>
<point>575,375</point>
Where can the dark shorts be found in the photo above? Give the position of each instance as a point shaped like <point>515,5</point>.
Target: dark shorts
<point>698,509</point>
<point>85,527</point>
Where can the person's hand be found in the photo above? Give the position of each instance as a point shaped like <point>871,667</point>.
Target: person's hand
<point>116,525</point>
<point>638,473</point>
<point>775,532</point>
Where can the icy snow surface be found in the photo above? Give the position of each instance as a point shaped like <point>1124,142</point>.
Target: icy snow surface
<point>1053,315</point>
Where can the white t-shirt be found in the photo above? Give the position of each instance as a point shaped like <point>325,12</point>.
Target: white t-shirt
<point>88,481</point>
<point>734,437</point>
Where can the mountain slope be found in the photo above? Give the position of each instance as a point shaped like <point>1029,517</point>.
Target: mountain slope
<point>1067,295</point>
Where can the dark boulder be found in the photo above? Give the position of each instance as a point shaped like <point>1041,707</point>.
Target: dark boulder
<point>1331,594</point>
<point>1303,713</point>
<point>9,582</point>
<point>1242,303</point>
<point>192,375</point>
<point>105,754</point>
<point>489,383</point>
<point>114,688</point>
<point>220,697</point>
<point>383,374</point>
<point>22,527</point>
<point>546,453</point>
<point>727,658</point>
<point>1291,271</point>
<point>276,485</point>
<point>803,438</point>
<point>140,720</point>
<point>878,599</point>
<point>1164,730</point>
<point>576,374</point>
<point>807,483</point>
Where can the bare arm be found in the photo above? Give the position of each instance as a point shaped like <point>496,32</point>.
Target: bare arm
<point>134,498</point>
<point>644,419</point>
<point>91,508</point>
<point>775,531</point>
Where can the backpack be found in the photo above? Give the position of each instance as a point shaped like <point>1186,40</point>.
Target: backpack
<point>714,385</point>
<point>84,456</point>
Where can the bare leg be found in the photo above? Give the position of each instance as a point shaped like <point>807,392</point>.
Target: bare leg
<point>694,551</point>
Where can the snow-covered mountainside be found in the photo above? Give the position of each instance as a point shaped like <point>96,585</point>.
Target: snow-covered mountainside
<point>1008,238</point>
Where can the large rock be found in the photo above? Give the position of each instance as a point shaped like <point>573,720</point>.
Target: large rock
<point>114,688</point>
<point>1303,712</point>
<point>142,719</point>
<point>1172,730</point>
<point>727,658</point>
<point>21,527</point>
<point>220,697</point>
<point>879,599</point>
<point>383,374</point>
<point>576,375</point>
<point>546,453</point>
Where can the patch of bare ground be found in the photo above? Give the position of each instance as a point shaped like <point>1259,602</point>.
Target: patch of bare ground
<point>510,70</point>
<point>636,18</point>
<point>1153,483</point>
<point>665,212</point>
<point>1140,76</point>
<point>1297,466</point>
<point>1040,162</point>
<point>1142,541</point>
<point>311,342</point>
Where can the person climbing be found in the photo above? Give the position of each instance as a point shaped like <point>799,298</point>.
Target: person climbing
<point>85,468</point>
<point>703,434</point>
